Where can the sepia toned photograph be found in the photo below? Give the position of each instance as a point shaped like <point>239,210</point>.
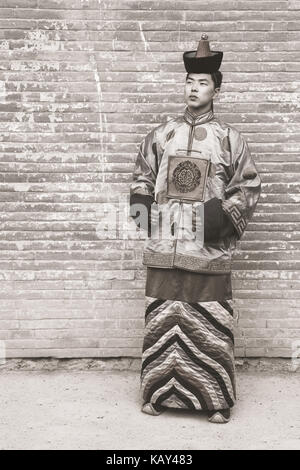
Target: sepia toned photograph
<point>150,227</point>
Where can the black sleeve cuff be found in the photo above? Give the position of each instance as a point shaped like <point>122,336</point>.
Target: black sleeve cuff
<point>217,224</point>
<point>146,200</point>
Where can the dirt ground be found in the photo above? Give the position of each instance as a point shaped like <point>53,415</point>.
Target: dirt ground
<point>101,410</point>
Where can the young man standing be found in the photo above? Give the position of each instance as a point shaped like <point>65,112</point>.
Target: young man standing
<point>194,175</point>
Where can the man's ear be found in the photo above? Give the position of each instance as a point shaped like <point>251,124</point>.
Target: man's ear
<point>217,91</point>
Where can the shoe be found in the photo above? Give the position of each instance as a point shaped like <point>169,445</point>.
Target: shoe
<point>219,416</point>
<point>151,410</point>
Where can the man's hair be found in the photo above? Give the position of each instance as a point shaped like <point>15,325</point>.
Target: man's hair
<point>216,76</point>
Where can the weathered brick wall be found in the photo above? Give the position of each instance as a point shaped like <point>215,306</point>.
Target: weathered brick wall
<point>81,83</point>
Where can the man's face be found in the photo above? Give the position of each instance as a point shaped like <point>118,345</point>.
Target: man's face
<point>199,90</point>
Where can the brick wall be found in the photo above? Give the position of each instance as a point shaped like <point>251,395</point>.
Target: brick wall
<point>81,83</point>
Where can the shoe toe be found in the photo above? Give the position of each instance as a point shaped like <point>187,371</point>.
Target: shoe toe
<point>150,410</point>
<point>219,417</point>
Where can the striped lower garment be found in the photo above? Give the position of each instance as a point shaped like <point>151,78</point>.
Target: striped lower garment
<point>188,355</point>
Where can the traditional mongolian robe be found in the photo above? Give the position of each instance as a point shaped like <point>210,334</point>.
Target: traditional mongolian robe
<point>201,163</point>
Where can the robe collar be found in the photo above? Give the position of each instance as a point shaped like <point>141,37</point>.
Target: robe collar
<point>193,120</point>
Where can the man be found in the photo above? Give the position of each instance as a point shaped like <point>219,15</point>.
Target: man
<point>194,175</point>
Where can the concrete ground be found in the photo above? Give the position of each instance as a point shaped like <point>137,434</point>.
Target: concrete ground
<point>101,410</point>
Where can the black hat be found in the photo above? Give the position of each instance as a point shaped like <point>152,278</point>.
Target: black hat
<point>203,60</point>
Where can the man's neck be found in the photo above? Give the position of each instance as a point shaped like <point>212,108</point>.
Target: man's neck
<point>200,110</point>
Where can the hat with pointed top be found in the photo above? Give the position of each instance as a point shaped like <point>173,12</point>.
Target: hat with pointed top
<point>203,60</point>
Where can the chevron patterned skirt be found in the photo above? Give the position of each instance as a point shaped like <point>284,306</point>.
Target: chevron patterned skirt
<point>188,355</point>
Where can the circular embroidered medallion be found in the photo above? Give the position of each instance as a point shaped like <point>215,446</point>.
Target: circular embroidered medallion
<point>200,133</point>
<point>186,176</point>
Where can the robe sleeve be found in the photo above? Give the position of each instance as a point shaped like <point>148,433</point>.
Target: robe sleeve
<point>243,190</point>
<point>144,178</point>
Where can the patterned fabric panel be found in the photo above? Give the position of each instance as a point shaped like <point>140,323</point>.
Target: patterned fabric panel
<point>188,355</point>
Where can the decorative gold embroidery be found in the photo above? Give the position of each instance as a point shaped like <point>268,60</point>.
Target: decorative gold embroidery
<point>193,263</point>
<point>190,263</point>
<point>186,176</point>
<point>237,218</point>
